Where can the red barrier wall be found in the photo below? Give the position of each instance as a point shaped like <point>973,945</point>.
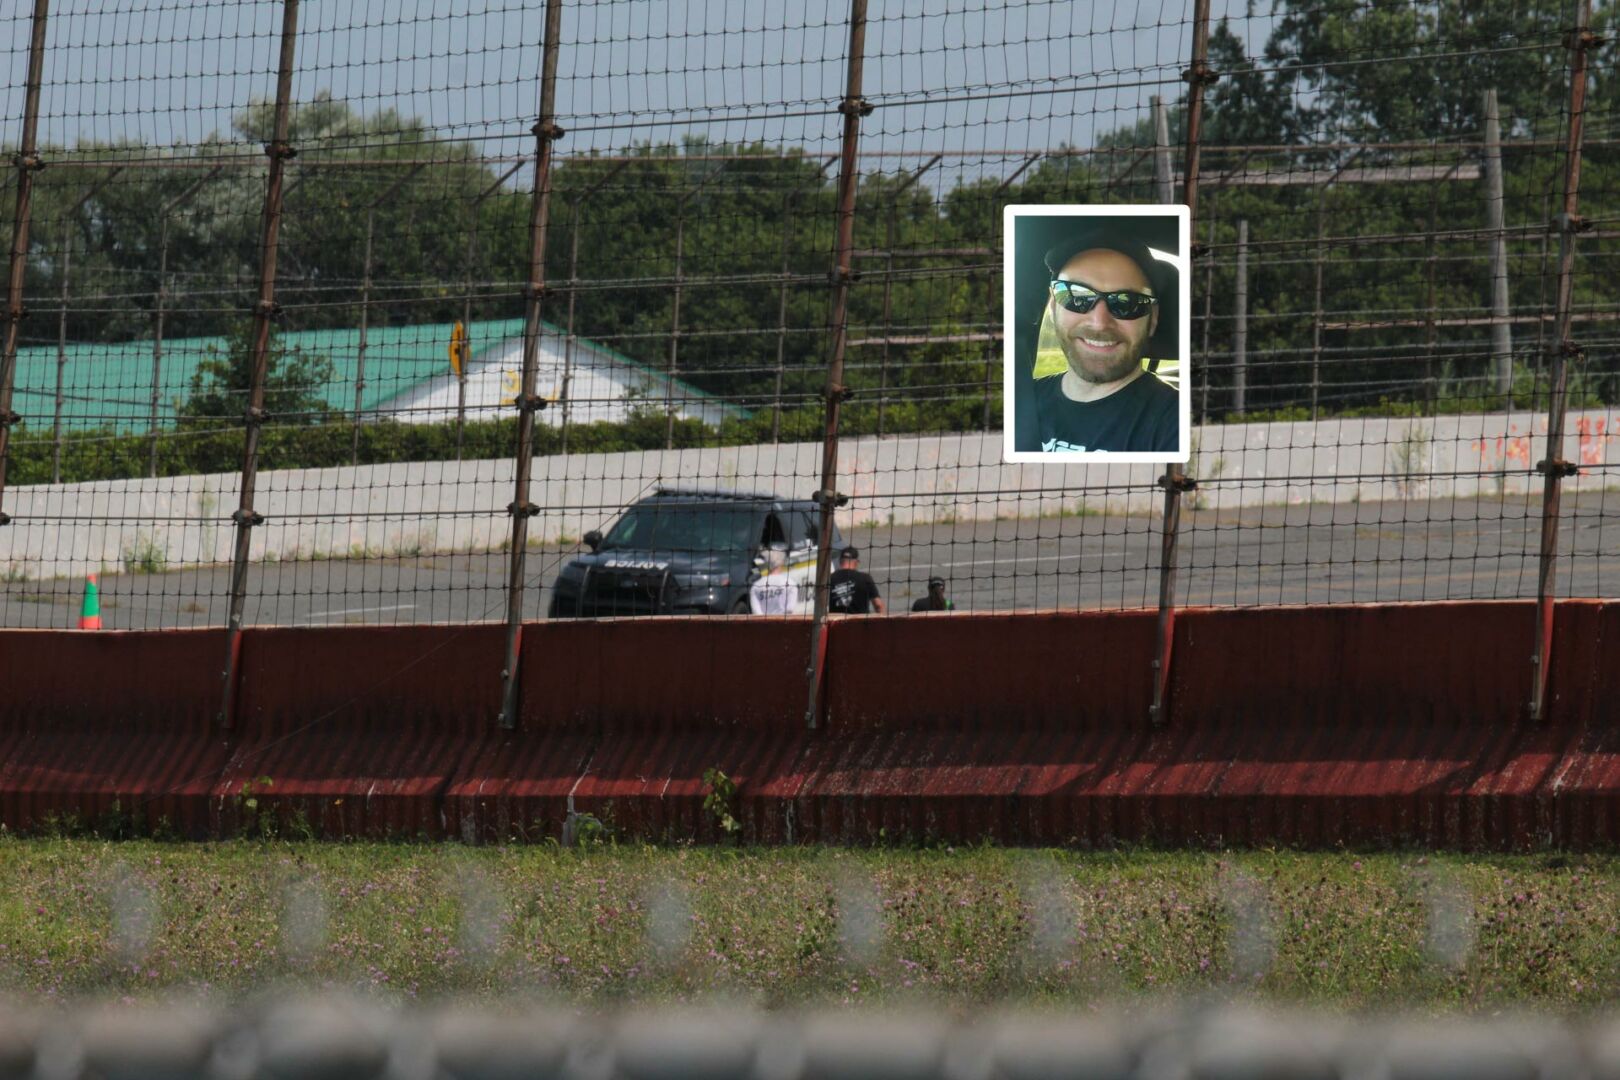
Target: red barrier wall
<point>1325,726</point>
<point>109,727</point>
<point>353,730</point>
<point>669,674</point>
<point>993,673</point>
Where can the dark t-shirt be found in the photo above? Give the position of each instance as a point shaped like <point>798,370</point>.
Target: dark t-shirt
<point>851,592</point>
<point>1142,417</point>
<point>927,604</point>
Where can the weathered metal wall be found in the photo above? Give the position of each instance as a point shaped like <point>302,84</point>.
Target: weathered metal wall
<point>1311,726</point>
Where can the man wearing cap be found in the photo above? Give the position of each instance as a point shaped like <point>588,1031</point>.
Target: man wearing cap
<point>850,591</point>
<point>1105,307</point>
<point>936,599</point>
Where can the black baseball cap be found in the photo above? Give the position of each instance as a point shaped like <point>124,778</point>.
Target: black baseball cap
<point>936,583</point>
<point>1114,238</point>
<point>1135,238</point>
<point>850,553</point>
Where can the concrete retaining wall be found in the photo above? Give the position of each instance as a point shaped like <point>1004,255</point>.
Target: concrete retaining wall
<point>71,529</point>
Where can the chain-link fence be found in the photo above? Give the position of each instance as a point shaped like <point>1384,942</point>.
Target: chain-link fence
<point>348,1038</point>
<point>380,313</point>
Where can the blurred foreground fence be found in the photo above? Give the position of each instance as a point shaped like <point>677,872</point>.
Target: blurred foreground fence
<point>348,1038</point>
<point>315,317</point>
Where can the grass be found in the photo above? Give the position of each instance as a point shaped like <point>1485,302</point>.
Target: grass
<point>961,927</point>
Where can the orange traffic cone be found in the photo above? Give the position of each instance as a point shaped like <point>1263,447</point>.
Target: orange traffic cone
<point>90,614</point>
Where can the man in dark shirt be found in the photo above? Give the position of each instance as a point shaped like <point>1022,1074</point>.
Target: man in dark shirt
<point>936,599</point>
<point>852,592</point>
<point>1104,309</point>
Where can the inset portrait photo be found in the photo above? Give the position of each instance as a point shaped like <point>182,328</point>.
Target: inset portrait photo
<point>1098,334</point>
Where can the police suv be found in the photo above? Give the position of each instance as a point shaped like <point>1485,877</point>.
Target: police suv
<point>690,551</point>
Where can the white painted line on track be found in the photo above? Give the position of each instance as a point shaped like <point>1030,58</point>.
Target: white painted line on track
<point>355,611</point>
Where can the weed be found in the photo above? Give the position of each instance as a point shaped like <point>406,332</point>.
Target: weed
<point>721,801</point>
<point>14,573</point>
<point>247,807</point>
<point>145,554</point>
<point>1196,469</point>
<point>1408,459</point>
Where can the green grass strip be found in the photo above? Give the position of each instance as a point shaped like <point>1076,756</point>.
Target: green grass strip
<point>958,927</point>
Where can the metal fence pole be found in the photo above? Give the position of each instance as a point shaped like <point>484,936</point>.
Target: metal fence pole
<point>28,163</point>
<point>675,324</point>
<point>1164,185</point>
<point>571,343</point>
<point>162,311</point>
<point>1553,467</point>
<point>278,150</point>
<point>61,354</point>
<point>1501,330</point>
<point>1175,480</point>
<point>546,133</point>
<point>1240,322</point>
<point>892,236</point>
<point>1209,315</point>
<point>781,326</point>
<point>853,107</point>
<point>1316,310</point>
<point>466,312</point>
<point>365,316</point>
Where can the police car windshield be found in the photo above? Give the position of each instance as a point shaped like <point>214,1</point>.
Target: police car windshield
<point>678,527</point>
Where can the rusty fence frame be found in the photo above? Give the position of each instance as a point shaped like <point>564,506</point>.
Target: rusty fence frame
<point>853,106</point>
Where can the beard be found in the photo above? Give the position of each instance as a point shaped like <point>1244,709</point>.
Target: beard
<point>1094,368</point>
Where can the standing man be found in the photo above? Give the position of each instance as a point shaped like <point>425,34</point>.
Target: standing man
<point>1104,306</point>
<point>774,592</point>
<point>851,592</point>
<point>936,599</point>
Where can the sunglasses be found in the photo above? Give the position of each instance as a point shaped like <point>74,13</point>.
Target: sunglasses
<point>1121,305</point>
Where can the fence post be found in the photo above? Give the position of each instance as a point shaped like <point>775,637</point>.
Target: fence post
<point>28,163</point>
<point>781,326</point>
<point>1553,467</point>
<point>1164,184</point>
<point>164,213</point>
<point>1501,331</point>
<point>546,133</point>
<point>675,322</point>
<point>278,150</point>
<point>1209,315</point>
<point>1175,480</point>
<point>365,317</point>
<point>1240,322</point>
<point>1316,310</point>
<point>853,107</point>
<point>571,342</point>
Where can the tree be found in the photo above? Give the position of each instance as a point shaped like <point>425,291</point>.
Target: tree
<point>293,384</point>
<point>1245,107</point>
<point>1403,70</point>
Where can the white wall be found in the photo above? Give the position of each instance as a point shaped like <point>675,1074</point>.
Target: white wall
<point>70,529</point>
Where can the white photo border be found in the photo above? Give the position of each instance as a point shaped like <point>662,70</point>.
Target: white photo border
<point>1182,264</point>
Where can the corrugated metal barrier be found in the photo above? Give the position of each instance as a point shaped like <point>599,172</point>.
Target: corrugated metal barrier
<point>1311,726</point>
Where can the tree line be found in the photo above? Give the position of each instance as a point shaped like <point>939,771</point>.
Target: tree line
<point>711,259</point>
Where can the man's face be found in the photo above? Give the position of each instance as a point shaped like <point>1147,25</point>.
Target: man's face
<point>1099,347</point>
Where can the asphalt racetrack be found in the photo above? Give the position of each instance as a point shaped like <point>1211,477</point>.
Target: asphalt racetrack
<point>1439,549</point>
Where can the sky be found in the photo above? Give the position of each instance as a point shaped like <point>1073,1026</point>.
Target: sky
<point>951,76</point>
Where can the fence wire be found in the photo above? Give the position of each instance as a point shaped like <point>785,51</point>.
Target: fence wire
<point>328,1036</point>
<point>1402,279</point>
